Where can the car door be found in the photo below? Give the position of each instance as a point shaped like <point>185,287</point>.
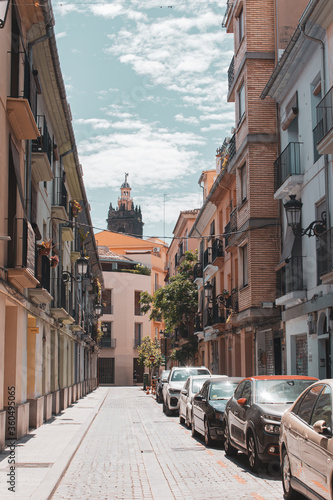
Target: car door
<point>300,430</point>
<point>183,398</point>
<point>314,446</point>
<point>200,407</point>
<point>238,412</point>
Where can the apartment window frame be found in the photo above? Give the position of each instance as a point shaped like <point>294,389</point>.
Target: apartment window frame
<point>240,19</point>
<point>243,183</point>
<point>244,260</point>
<point>137,307</point>
<point>107,301</point>
<point>241,102</point>
<point>138,328</point>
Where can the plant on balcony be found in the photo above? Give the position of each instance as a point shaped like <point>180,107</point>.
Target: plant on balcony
<point>76,208</point>
<point>138,269</point>
<point>44,248</point>
<point>54,261</point>
<point>97,290</point>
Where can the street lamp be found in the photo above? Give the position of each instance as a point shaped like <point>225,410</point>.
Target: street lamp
<point>293,210</point>
<point>98,309</point>
<point>4,4</point>
<point>82,268</point>
<point>208,288</point>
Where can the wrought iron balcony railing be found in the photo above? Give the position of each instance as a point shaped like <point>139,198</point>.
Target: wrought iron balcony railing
<point>43,143</point>
<point>197,270</point>
<point>208,317</point>
<point>231,74</point>
<point>207,257</point>
<point>59,193</point>
<point>232,147</point>
<point>288,163</point>
<point>218,314</point>
<point>325,252</point>
<point>198,323</point>
<point>217,249</point>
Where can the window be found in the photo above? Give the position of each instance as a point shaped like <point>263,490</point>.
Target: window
<point>107,302</point>
<point>239,390</point>
<point>156,287</point>
<point>137,309</point>
<point>240,26</point>
<point>323,408</point>
<point>241,102</point>
<point>305,408</point>
<point>107,333</point>
<point>212,229</point>
<point>243,183</point>
<point>186,240</point>
<point>244,263</point>
<point>137,334</point>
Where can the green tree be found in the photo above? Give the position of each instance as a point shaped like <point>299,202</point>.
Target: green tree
<point>177,302</point>
<point>147,349</point>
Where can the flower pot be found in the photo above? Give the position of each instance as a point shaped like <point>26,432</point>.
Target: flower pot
<point>44,251</point>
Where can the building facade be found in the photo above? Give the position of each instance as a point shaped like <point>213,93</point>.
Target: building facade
<point>48,355</point>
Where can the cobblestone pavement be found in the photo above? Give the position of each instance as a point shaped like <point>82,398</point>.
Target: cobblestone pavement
<point>132,451</point>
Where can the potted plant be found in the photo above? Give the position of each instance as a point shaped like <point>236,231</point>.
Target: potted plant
<point>76,208</point>
<point>54,261</point>
<point>44,248</point>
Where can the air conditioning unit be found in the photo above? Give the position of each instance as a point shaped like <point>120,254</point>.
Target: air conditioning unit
<point>156,249</point>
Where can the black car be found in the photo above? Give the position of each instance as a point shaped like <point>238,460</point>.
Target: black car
<point>253,415</point>
<point>159,387</point>
<point>209,405</point>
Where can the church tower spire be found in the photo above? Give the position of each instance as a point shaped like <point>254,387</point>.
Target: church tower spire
<point>125,219</point>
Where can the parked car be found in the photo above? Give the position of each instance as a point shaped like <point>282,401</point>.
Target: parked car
<point>192,385</point>
<point>306,444</point>
<point>253,415</point>
<point>209,405</point>
<point>162,379</point>
<point>176,380</point>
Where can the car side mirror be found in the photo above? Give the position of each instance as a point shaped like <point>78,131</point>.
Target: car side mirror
<point>242,401</point>
<point>321,428</point>
<point>164,380</point>
<point>198,397</point>
<point>184,391</point>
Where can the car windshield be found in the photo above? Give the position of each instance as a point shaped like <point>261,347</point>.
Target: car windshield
<point>197,384</point>
<point>222,390</point>
<point>280,391</point>
<point>165,374</point>
<point>182,375</point>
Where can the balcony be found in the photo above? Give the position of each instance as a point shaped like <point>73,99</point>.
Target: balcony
<point>197,271</point>
<point>41,294</point>
<point>325,124</point>
<point>287,171</point>
<point>290,284</point>
<point>227,13</point>
<point>217,251</point>
<point>218,314</point>
<point>208,317</point>
<point>207,257</point>
<point>232,147</point>
<point>231,74</point>
<point>325,257</point>
<point>41,153</point>
<point>67,232</point>
<point>21,255</point>
<point>63,305</point>
<point>21,119</point>
<point>231,227</point>
<point>108,342</point>
<point>59,203</point>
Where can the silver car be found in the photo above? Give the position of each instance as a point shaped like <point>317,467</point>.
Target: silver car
<point>192,385</point>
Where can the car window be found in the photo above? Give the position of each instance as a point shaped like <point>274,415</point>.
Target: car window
<point>307,404</point>
<point>239,390</point>
<point>247,391</point>
<point>204,390</point>
<point>222,390</point>
<point>180,375</point>
<point>323,407</point>
<point>280,391</point>
<point>196,385</point>
<point>187,385</point>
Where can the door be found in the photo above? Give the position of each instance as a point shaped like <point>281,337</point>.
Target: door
<point>183,398</point>
<point>238,414</point>
<point>199,410</point>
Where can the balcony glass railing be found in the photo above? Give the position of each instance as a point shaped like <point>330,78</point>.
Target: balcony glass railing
<point>290,277</point>
<point>325,115</point>
<point>288,163</point>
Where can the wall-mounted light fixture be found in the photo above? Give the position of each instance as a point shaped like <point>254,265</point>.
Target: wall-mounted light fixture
<point>82,268</point>
<point>293,210</point>
<point>4,4</point>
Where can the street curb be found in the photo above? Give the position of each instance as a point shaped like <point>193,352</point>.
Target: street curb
<point>52,479</point>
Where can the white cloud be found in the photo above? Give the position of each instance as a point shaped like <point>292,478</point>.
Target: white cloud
<point>154,209</point>
<point>192,120</point>
<point>61,35</point>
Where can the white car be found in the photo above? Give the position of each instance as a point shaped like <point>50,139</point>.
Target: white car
<point>176,380</point>
<point>192,385</point>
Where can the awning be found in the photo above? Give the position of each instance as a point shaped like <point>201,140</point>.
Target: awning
<point>287,248</point>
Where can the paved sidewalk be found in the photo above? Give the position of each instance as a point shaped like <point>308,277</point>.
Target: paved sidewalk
<point>42,457</point>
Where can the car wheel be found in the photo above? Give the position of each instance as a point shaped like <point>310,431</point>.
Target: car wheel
<point>254,460</point>
<point>187,420</point>
<point>181,419</point>
<point>289,492</point>
<point>229,450</point>
<point>208,439</point>
<point>166,409</point>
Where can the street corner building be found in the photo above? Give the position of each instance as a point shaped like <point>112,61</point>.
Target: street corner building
<point>50,276</point>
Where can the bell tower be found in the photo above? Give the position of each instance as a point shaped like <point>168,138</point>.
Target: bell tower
<point>125,218</point>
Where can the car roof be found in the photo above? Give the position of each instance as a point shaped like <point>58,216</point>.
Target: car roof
<point>205,375</point>
<point>225,378</point>
<point>280,377</point>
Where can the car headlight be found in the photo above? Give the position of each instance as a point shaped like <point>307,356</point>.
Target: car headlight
<point>219,415</point>
<point>272,428</point>
<point>174,391</point>
<point>275,418</point>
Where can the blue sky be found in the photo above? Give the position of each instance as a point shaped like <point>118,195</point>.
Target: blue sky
<point>147,86</point>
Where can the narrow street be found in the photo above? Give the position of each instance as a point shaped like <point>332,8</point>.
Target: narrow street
<point>133,451</point>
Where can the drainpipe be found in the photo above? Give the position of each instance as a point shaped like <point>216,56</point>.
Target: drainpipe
<point>321,43</point>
